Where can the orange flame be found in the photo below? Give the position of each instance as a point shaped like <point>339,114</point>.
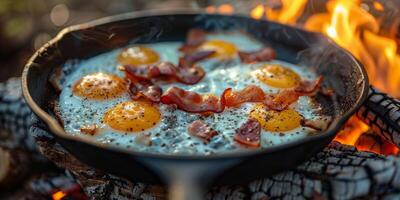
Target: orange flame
<point>348,24</point>
<point>351,131</point>
<point>289,12</point>
<point>353,28</point>
<point>257,12</point>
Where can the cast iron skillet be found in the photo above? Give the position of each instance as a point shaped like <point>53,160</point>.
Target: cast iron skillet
<point>187,175</point>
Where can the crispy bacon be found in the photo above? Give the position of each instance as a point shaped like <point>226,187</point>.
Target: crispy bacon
<point>145,89</point>
<point>264,54</point>
<point>317,124</point>
<point>189,60</point>
<point>191,101</point>
<point>194,38</point>
<point>89,129</point>
<point>278,101</point>
<point>283,99</point>
<point>309,88</point>
<point>249,133</point>
<point>186,75</point>
<point>250,93</point>
<point>200,129</point>
<point>196,103</point>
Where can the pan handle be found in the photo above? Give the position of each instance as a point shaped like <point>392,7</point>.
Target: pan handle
<point>183,184</point>
<point>382,113</point>
<point>188,179</point>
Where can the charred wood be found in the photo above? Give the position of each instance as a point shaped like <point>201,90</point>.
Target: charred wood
<point>382,113</point>
<point>337,172</point>
<point>48,186</point>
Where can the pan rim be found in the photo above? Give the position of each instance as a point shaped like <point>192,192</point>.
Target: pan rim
<point>56,129</point>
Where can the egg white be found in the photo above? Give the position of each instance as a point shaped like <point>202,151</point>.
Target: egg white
<point>170,134</point>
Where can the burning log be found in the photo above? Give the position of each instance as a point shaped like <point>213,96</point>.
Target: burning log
<point>372,142</point>
<point>379,110</point>
<point>56,186</point>
<point>369,142</point>
<point>338,172</point>
<point>96,184</point>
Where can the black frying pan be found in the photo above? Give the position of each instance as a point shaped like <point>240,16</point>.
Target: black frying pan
<point>187,176</point>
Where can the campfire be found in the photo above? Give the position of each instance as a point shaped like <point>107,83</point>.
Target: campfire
<point>361,27</point>
<point>358,164</point>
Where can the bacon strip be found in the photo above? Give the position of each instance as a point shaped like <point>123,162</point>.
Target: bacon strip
<point>145,89</point>
<point>191,101</point>
<point>317,124</point>
<point>196,103</point>
<point>250,93</point>
<point>264,54</point>
<point>279,101</point>
<point>249,133</point>
<point>89,129</point>
<point>200,129</point>
<point>186,75</point>
<point>309,88</point>
<point>194,38</point>
<point>189,60</point>
<point>282,100</point>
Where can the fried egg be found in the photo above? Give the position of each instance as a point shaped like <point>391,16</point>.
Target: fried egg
<point>132,116</point>
<point>94,92</point>
<point>99,86</point>
<point>226,47</point>
<point>278,76</point>
<point>138,55</point>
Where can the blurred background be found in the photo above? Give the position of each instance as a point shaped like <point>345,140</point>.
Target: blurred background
<point>25,25</point>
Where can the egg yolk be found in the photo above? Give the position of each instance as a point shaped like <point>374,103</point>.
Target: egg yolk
<point>278,76</point>
<point>223,49</point>
<point>275,121</point>
<point>99,86</point>
<point>138,55</point>
<point>132,116</point>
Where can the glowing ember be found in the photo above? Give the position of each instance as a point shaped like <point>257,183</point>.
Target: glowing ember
<point>351,131</point>
<point>378,6</point>
<point>58,195</point>
<point>372,142</point>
